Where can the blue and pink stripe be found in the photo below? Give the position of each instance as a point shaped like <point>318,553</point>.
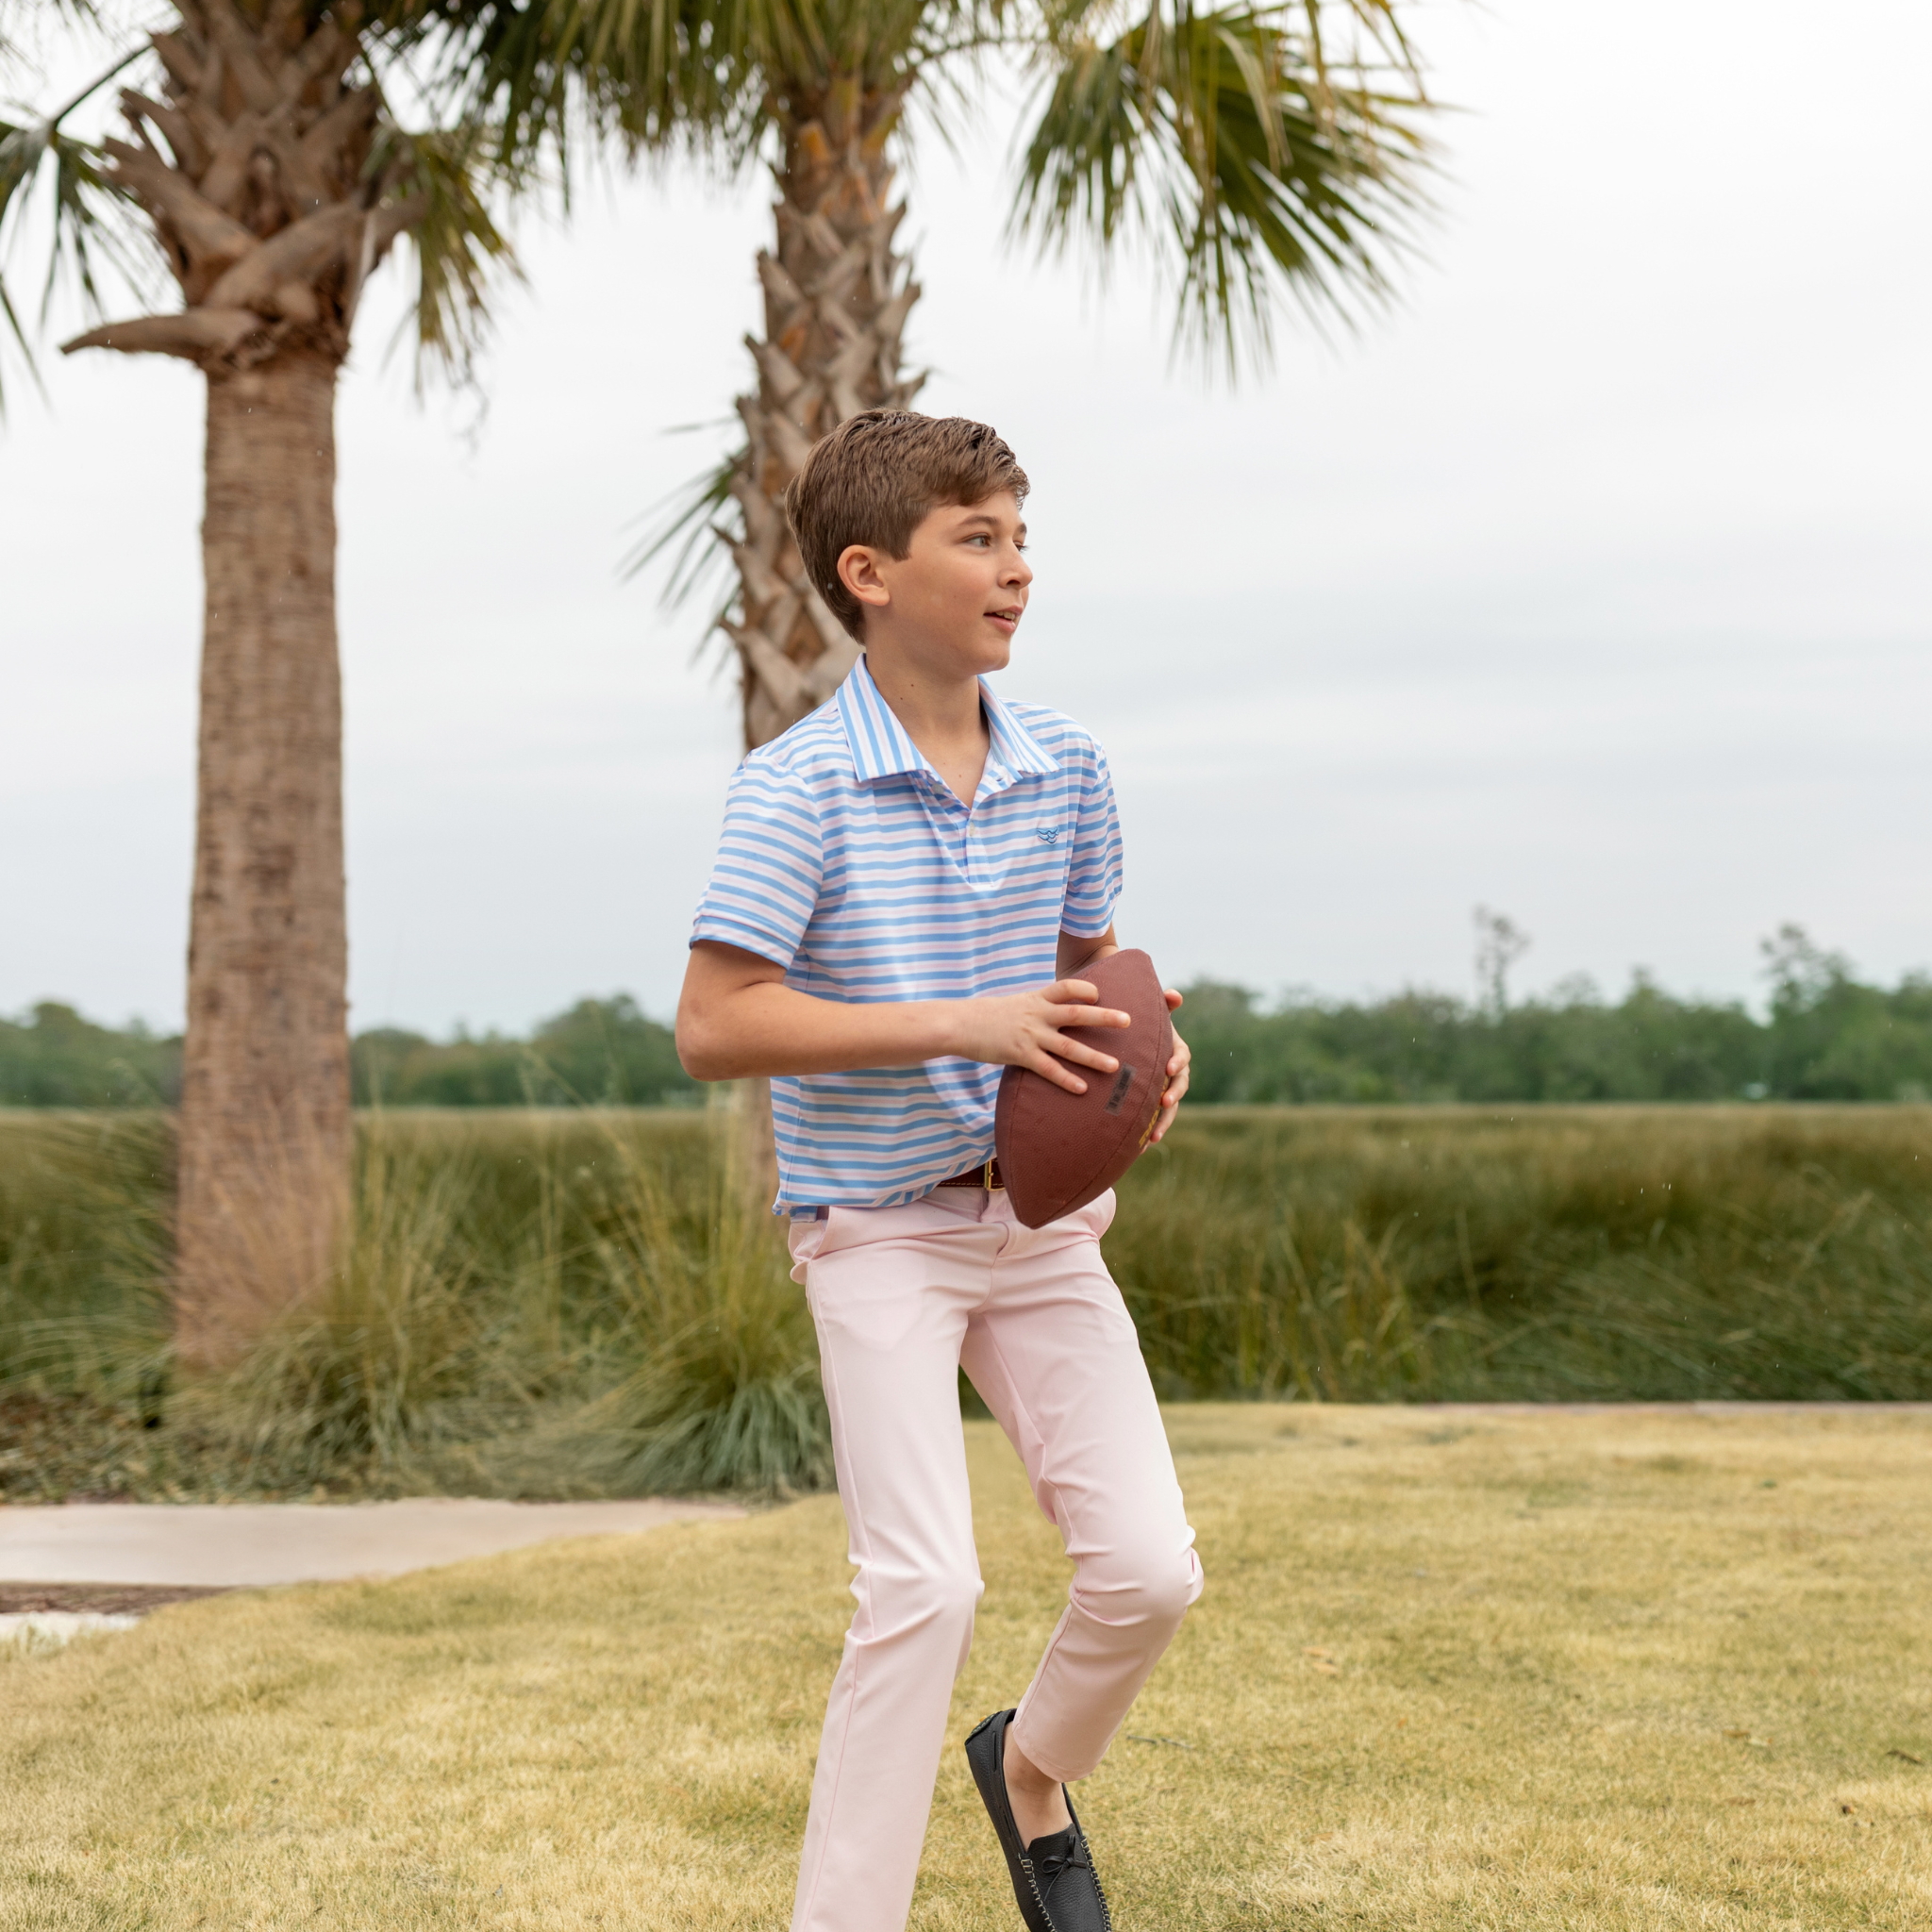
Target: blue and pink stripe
<point>846,859</point>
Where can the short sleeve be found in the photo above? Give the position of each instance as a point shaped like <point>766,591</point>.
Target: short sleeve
<point>771,859</point>
<point>1096,865</point>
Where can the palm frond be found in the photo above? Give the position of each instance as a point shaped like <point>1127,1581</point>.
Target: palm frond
<point>89,225</point>
<point>648,73</point>
<point>685,524</point>
<point>1372,23</point>
<point>12,316</point>
<point>90,222</point>
<point>447,173</point>
<point>23,21</point>
<point>1249,161</point>
<point>22,150</point>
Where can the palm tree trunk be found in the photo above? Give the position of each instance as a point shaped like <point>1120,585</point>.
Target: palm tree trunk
<point>265,1072</point>
<point>835,302</point>
<point>271,203</point>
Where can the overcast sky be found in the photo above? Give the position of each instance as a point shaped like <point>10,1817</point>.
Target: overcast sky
<point>1591,583</point>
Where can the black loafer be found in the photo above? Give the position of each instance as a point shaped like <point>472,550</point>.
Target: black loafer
<point>1054,1878</point>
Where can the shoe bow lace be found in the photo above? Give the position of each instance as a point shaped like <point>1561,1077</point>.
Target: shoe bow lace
<point>1073,1859</point>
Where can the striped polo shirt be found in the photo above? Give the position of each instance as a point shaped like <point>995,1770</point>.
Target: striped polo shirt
<point>848,861</point>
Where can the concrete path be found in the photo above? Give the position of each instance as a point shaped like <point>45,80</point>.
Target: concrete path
<point>237,1545</point>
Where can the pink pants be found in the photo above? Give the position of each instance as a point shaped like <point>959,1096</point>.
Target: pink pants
<point>902,1297</point>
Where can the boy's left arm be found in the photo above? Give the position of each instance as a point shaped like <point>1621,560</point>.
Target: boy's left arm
<point>1076,952</point>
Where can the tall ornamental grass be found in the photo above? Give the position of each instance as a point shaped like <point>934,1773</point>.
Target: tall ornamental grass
<point>578,1302</point>
<point>570,1304</point>
<point>1608,1254</point>
<point>624,1328</point>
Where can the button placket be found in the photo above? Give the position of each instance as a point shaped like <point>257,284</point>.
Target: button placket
<point>947,817</point>
<point>997,777</point>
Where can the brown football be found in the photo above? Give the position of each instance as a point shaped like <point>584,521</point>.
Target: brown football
<point>1058,1150</point>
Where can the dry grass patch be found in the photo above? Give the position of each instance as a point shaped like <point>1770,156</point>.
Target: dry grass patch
<point>1624,1670</point>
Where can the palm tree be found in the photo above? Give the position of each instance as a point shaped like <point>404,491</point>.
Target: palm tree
<point>1257,151</point>
<point>1253,156</point>
<point>274,180</point>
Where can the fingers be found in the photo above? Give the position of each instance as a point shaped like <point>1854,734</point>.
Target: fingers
<point>1077,1005</point>
<point>1177,1075</point>
<point>1042,1042</point>
<point>1088,1016</point>
<point>1046,1065</point>
<point>1172,997</point>
<point>1058,1048</point>
<point>1083,1055</point>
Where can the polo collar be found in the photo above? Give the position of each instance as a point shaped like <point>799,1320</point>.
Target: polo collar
<point>882,748</point>
<point>1012,743</point>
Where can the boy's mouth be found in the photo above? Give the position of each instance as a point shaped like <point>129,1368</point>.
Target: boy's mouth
<point>1008,620</point>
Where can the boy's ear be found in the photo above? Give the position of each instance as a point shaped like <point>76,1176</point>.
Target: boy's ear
<point>858,571</point>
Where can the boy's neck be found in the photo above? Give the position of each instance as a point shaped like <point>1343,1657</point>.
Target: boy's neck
<point>941,711</point>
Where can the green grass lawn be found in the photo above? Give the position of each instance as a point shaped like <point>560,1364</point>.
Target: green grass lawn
<point>1451,1670</point>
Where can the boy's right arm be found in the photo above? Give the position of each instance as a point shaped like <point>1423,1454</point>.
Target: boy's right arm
<point>737,1019</point>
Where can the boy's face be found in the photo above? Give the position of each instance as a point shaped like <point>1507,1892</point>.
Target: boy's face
<point>955,598</point>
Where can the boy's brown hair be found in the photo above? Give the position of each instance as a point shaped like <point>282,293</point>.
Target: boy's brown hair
<point>877,477</point>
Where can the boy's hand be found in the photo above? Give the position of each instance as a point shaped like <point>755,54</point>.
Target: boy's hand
<point>1176,1076</point>
<point>1022,1029</point>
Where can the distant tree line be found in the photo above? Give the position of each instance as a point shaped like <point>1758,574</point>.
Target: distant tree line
<point>1827,1036</point>
<point>599,1053</point>
<point>53,1058</point>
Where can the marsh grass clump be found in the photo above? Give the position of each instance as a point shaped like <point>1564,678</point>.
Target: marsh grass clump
<point>83,1353</point>
<point>389,1356</point>
<point>1548,1254</point>
<point>572,1304</point>
<point>1264,1295</point>
<point>727,1395</point>
<point>85,1234</point>
<point>598,1320</point>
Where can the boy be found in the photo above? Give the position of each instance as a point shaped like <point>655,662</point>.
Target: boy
<point>908,882</point>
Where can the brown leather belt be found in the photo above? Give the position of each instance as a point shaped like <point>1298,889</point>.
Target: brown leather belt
<point>986,1176</point>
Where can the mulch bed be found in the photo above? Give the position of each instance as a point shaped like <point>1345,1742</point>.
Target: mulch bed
<point>104,1599</point>
<point>70,1448</point>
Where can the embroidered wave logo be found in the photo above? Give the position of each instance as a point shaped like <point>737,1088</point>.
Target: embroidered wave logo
<point>1048,835</point>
